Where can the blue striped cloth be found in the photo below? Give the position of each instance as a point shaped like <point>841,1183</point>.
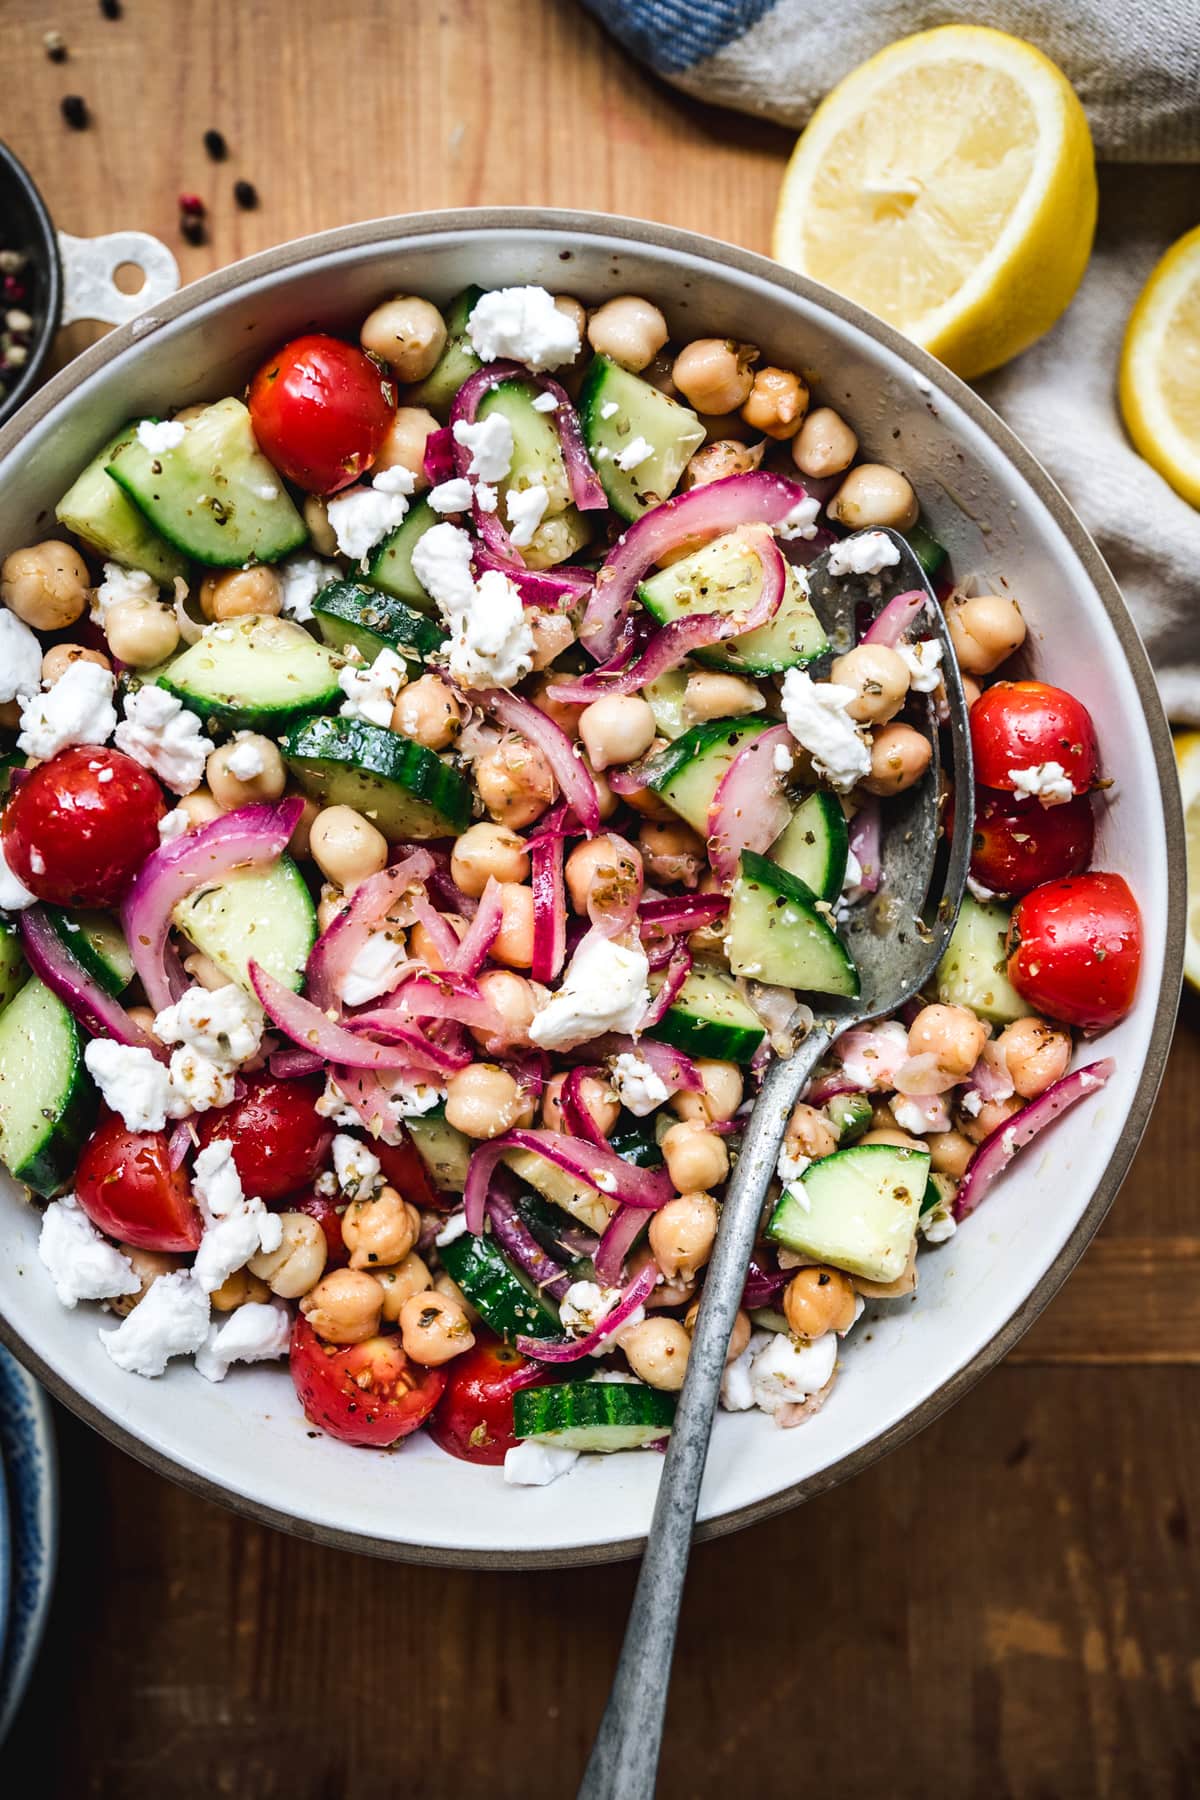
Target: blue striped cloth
<point>671,35</point>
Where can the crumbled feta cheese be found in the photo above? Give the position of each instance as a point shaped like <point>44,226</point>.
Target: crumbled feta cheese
<point>526,508</point>
<point>782,760</point>
<point>872,1055</point>
<point>639,1087</point>
<point>866,553</point>
<point>375,969</point>
<point>132,1082</point>
<point>259,1331</point>
<point>20,658</point>
<point>852,880</point>
<point>635,453</point>
<point>372,693</point>
<point>1048,781</point>
<point>236,1228</point>
<point>78,709</point>
<point>487,497</point>
<point>530,1464</point>
<point>14,895</point>
<point>790,1166</point>
<point>978,892</point>
<point>118,584</point>
<point>245,760</point>
<point>924,663</point>
<point>172,825</point>
<point>605,988</point>
<point>921,1114</point>
<point>801,521</point>
<point>584,1305</point>
<point>334,1105</point>
<point>816,716</point>
<point>789,1370</point>
<point>548,403</point>
<point>216,1182</point>
<point>170,1320</point>
<point>360,516</point>
<point>737,1391</point>
<point>413,1098</point>
<point>159,733</point>
<point>159,435</point>
<point>609,410</point>
<point>82,1264</point>
<point>451,496</point>
<point>302,579</point>
<point>358,1169</point>
<point>454,1228</point>
<point>490,442</point>
<point>198,1083</point>
<point>971,1101</point>
<point>441,562</point>
<point>491,640</point>
<point>524,325</point>
<point>223,1023</point>
<point>938,1224</point>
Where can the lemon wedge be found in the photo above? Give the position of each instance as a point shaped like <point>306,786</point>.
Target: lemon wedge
<point>1187,759</point>
<point>948,185</point>
<point>1160,369</point>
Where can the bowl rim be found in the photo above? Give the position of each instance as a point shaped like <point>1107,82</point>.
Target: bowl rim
<point>371,233</point>
<point>14,170</point>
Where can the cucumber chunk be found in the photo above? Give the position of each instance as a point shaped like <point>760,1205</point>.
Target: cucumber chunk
<point>445,1151</point>
<point>348,613</point>
<point>390,563</point>
<point>814,845</point>
<point>710,1018</point>
<point>850,1115</point>
<point>673,432</point>
<point>974,970</point>
<point>456,362</point>
<point>925,547</point>
<point>725,577</point>
<point>939,1191</point>
<point>215,496</point>
<point>688,773</point>
<point>501,1294</point>
<point>594,1415</point>
<point>552,1229</point>
<point>537,453</point>
<point>858,1210</point>
<point>97,942</point>
<point>404,789</point>
<point>97,510</point>
<point>255,673</point>
<point>554,1184</point>
<point>47,1102</point>
<point>665,697</point>
<point>777,935</point>
<point>264,916</point>
<point>14,970</point>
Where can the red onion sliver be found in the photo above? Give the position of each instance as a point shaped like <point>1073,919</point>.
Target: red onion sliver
<point>750,807</point>
<point>889,628</point>
<point>624,1229</point>
<point>537,587</point>
<point>603,1170</point>
<point>763,1285</point>
<point>368,1094</point>
<point>420,1049</point>
<point>99,1014</point>
<point>445,939</point>
<point>178,1145</point>
<point>521,715</point>
<point>586,490</point>
<point>865,829</point>
<point>678,970</point>
<point>576,1117</point>
<point>990,1077</point>
<point>439,463</point>
<point>562,1350</point>
<point>549,908</point>
<point>675,1070</point>
<point>380,897</point>
<point>828,1087</point>
<point>681,913</point>
<point>313,1030</point>
<point>470,956</point>
<point>442,994</point>
<point>997,1151</point>
<point>286,1065</point>
<point>517,1241</point>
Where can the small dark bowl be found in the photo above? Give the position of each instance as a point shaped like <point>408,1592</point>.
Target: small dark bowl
<point>27,227</point>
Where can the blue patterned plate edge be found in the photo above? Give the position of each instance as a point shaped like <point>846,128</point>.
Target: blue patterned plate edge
<point>30,1460</point>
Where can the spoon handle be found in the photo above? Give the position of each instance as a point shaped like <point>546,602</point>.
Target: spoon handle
<point>624,1757</point>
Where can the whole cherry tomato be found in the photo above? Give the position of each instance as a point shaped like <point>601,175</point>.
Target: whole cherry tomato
<point>279,1138</point>
<point>325,1210</point>
<point>475,1419</point>
<point>367,1393</point>
<point>404,1167</point>
<point>1021,724</point>
<point>320,409</point>
<point>78,829</point>
<point>128,1189</point>
<point>1018,844</point>
<point>1075,949</point>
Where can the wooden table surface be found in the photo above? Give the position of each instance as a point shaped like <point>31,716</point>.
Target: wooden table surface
<point>1007,1606</point>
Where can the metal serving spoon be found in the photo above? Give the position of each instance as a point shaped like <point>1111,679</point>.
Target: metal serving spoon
<point>896,937</point>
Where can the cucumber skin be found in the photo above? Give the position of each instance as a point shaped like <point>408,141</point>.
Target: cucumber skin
<point>684,762</point>
<point>504,1298</point>
<point>97,510</point>
<point>389,566</point>
<point>242,714</point>
<point>831,822</point>
<point>792,640</point>
<point>619,487</point>
<point>592,1406</point>
<point>925,547</point>
<point>319,749</point>
<point>114,981</point>
<point>14,970</point>
<point>456,363</point>
<point>350,612</point>
<point>757,872</point>
<point>52,1164</point>
<point>706,1037</point>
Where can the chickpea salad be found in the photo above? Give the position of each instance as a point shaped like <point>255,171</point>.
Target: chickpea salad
<point>430,800</point>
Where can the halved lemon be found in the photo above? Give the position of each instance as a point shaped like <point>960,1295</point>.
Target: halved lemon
<point>949,185</point>
<point>1160,369</point>
<point>1187,758</point>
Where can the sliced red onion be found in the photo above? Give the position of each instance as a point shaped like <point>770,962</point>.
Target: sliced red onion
<point>549,908</point>
<point>678,914</point>
<point>445,939</point>
<point>314,1031</point>
<point>99,1014</point>
<point>990,1077</point>
<point>558,588</point>
<point>560,821</point>
<point>420,1049</point>
<point>616,890</point>
<point>604,1170</point>
<point>443,885</point>
<point>678,970</point>
<point>439,463</point>
<point>865,844</point>
<point>471,954</point>
<point>675,1070</point>
<point>517,1241</point>
<point>624,1229</point>
<point>178,1145</point>
<point>889,628</point>
<point>370,1097</point>
<point>443,994</point>
<point>997,1151</point>
<point>521,715</point>
<point>563,1350</point>
<point>763,1286</point>
<point>380,897</point>
<point>828,1087</point>
<point>803,552</point>
<point>286,1065</point>
<point>244,839</point>
<point>586,490</point>
<point>750,807</point>
<point>922,1075</point>
<point>578,1120</point>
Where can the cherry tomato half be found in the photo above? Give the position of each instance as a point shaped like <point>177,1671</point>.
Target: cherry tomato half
<point>367,1393</point>
<point>475,1419</point>
<point>128,1189</point>
<point>320,409</point>
<point>324,1209</point>
<point>1018,844</point>
<point>279,1138</point>
<point>1019,724</point>
<point>404,1167</point>
<point>1075,949</point>
<point>78,829</point>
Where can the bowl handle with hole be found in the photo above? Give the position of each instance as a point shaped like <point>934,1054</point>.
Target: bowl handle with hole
<point>89,267</point>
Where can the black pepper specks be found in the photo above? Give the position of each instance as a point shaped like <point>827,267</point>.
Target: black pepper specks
<point>246,195</point>
<point>110,9</point>
<point>74,110</point>
<point>215,145</point>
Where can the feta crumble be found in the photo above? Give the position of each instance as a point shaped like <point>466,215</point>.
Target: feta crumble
<point>14,895</point>
<point>159,435</point>
<point>441,562</point>
<point>605,988</point>
<point>358,1169</point>
<point>491,640</point>
<point>526,508</point>
<point>530,1464</point>
<point>259,1331</point>
<point>302,578</point>
<point>585,1305</point>
<point>163,736</point>
<point>782,760</point>
<point>639,1087</point>
<point>170,1320</point>
<point>866,553</point>
<point>198,1083</point>
<point>236,1227</point>
<point>20,658</point>
<point>788,1370</point>
<point>453,1229</point>
<point>523,323</point>
<point>375,969</point>
<point>609,410</point>
<point>223,1023</point>
<point>119,584</point>
<point>490,442</point>
<point>921,1114</point>
<point>245,760</point>
<point>83,1265</point>
<point>1047,781</point>
<point>924,664</point>
<point>132,1082</point>
<point>938,1225</point>
<point>635,453</point>
<point>872,1056</point>
<point>372,693</point>
<point>790,1166</point>
<point>545,403</point>
<point>78,709</point>
<point>451,496</point>
<point>172,825</point>
<point>801,521</point>
<point>978,892</point>
<point>816,716</point>
<point>361,516</point>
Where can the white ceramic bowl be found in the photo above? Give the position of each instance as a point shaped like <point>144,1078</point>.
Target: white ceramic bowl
<point>246,1441</point>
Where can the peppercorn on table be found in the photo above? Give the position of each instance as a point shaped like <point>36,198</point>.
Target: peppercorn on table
<point>1009,1600</point>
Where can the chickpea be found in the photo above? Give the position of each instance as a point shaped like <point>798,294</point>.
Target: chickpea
<point>513,945</point>
<point>720,1098</point>
<point>331,906</point>
<point>984,629</point>
<point>606,801</point>
<point>239,592</point>
<point>672,852</point>
<point>404,445</point>
<point>565,716</point>
<point>239,1289</point>
<point>230,790</point>
<point>428,712</point>
<point>596,1096</point>
<point>141,633</point>
<point>657,1350</point>
<point>777,403</point>
<point>346,847</point>
<point>950,1033</point>
<point>59,657</point>
<point>487,852</point>
<point>617,729</point>
<point>709,940</point>
<point>407,333</point>
<point>950,1153</point>
<point>991,1115</point>
<point>515,782</point>
<point>739,1337</point>
<point>144,1016</point>
<point>515,999</point>
<point>573,309</point>
<point>148,1265</point>
<point>434,1328</point>
<point>299,844</point>
<point>400,1284</point>
<point>10,716</point>
<point>817,1300</point>
<point>299,1262</point>
<point>971,691</point>
<point>824,445</point>
<point>484,1100</point>
<point>46,585</point>
<point>628,329</point>
<point>1036,1053</point>
<point>344,1307</point>
<point>422,947</point>
<point>724,456</point>
<point>202,969</point>
<point>880,678</point>
<point>682,1234</point>
<point>714,696</point>
<point>606,864</point>
<point>810,1133</point>
<point>902,1140</point>
<point>900,756</point>
<point>200,807</point>
<point>715,375</point>
<point>552,632</point>
<point>645,801</point>
<point>382,1229</point>
<point>321,534</point>
<point>873,494</point>
<point>695,1158</point>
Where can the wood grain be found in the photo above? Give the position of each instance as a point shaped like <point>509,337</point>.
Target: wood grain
<point>1007,1606</point>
